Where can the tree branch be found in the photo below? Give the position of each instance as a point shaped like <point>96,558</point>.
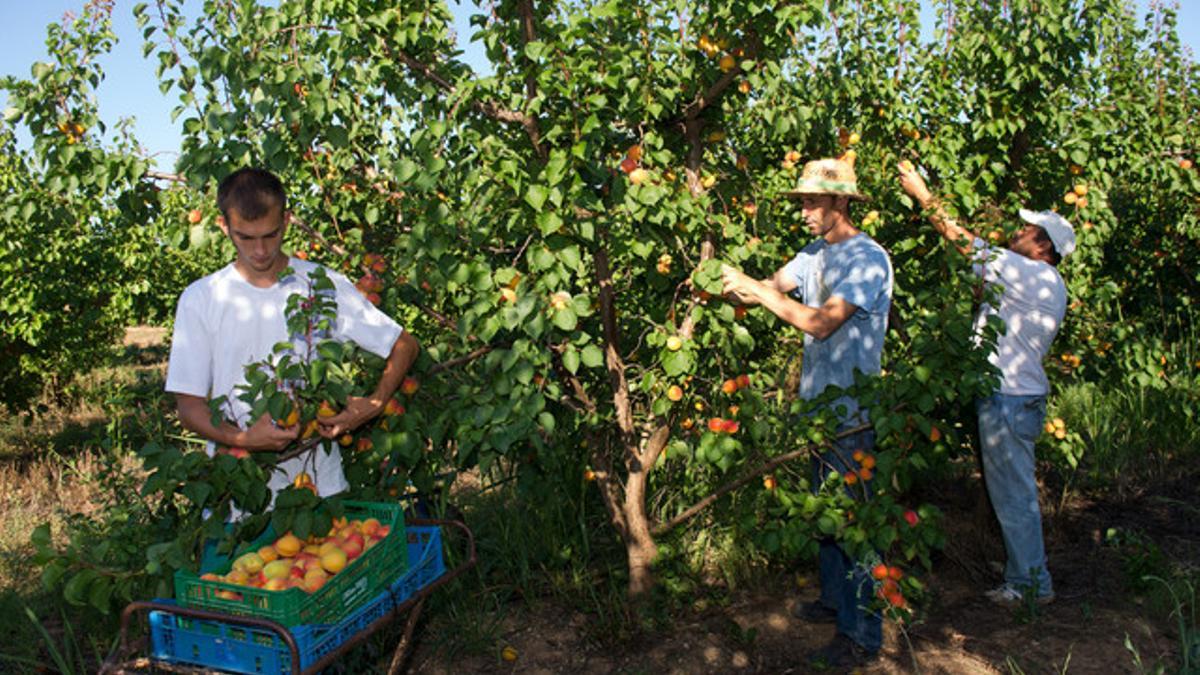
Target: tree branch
<point>610,492</point>
<point>612,353</point>
<point>336,248</point>
<point>454,363</point>
<point>577,388</point>
<point>699,506</point>
<point>488,108</point>
<point>707,251</point>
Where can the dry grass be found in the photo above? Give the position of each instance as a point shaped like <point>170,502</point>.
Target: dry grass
<point>48,461</point>
<point>43,490</point>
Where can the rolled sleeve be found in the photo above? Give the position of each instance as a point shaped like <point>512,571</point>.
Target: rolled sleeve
<point>863,283</point>
<point>362,322</point>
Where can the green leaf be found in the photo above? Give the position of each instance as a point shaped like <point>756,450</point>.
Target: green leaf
<point>100,594</point>
<point>565,318</point>
<point>570,359</point>
<point>536,196</point>
<point>198,493</point>
<point>593,356</point>
<point>75,591</point>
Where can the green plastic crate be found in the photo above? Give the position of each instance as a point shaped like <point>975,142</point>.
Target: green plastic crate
<point>364,578</point>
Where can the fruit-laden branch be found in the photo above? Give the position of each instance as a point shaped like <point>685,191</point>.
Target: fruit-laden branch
<point>712,94</point>
<point>699,506</point>
<point>690,120</point>
<point>304,447</point>
<point>311,443</point>
<point>336,248</point>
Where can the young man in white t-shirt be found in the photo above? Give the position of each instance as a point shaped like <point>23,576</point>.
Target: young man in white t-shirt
<point>1033,302</point>
<point>234,317</point>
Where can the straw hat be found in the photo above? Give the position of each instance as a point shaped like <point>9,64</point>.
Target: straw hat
<point>827,177</point>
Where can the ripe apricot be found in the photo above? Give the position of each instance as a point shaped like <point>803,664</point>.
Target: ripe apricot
<point>288,545</point>
<point>879,572</point>
<point>334,561</point>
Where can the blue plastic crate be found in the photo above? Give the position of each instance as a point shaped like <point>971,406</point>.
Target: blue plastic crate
<point>253,651</point>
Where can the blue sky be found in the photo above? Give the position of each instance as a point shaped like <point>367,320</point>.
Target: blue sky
<point>131,90</point>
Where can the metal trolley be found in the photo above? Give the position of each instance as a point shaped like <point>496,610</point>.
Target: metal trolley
<point>195,641</point>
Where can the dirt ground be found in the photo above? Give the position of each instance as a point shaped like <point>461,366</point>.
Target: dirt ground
<point>956,630</point>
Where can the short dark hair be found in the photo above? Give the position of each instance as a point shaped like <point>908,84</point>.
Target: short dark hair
<point>252,192</point>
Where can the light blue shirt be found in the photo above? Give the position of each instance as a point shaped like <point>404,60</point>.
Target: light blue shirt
<point>859,271</point>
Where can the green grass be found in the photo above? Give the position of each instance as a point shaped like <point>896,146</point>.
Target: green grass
<point>1131,433</point>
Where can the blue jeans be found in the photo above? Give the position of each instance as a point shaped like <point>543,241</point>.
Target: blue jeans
<point>1008,427</point>
<point>846,585</point>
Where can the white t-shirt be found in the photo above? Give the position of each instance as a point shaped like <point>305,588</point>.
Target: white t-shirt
<point>223,323</point>
<point>1032,307</point>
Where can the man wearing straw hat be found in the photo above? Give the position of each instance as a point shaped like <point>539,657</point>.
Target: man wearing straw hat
<point>837,290</point>
<point>1033,301</point>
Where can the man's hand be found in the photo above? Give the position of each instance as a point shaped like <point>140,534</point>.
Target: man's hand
<point>265,435</point>
<point>357,411</point>
<point>914,184</point>
<point>740,286</point>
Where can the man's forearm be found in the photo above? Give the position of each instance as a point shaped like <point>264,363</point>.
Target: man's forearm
<point>196,417</point>
<point>404,352</point>
<point>946,226</point>
<point>797,314</point>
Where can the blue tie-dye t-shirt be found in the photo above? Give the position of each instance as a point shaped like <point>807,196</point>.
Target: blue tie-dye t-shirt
<point>859,271</point>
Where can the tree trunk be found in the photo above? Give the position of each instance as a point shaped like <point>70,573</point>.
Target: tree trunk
<point>640,548</point>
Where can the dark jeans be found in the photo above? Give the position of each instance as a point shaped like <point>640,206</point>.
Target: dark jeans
<point>846,585</point>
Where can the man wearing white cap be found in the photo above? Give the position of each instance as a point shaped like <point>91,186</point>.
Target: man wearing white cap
<point>838,291</point>
<point>1033,300</point>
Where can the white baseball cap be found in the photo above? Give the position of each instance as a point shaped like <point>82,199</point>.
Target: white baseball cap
<point>1059,229</point>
